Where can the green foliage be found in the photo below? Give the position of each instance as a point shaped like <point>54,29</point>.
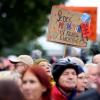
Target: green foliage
<point>95,48</point>
<point>23,20</point>
<point>23,48</point>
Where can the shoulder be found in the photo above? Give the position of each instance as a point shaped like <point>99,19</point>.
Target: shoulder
<point>88,95</point>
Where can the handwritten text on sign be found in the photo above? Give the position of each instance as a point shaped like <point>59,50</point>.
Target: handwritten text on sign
<point>64,27</point>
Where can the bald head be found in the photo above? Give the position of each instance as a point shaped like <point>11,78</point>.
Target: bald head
<point>96,59</point>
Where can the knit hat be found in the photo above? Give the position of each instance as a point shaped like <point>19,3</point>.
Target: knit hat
<point>37,61</point>
<point>26,59</point>
<point>60,66</point>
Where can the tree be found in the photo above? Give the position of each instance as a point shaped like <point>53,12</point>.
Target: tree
<point>95,48</point>
<point>23,20</point>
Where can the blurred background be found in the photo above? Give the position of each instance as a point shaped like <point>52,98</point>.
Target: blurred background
<point>24,26</point>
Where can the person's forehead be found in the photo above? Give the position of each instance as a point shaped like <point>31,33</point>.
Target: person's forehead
<point>96,58</point>
<point>28,74</point>
<point>43,62</point>
<point>69,70</point>
<point>82,74</point>
<point>92,68</point>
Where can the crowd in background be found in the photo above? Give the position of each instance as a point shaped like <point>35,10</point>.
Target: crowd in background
<point>35,78</point>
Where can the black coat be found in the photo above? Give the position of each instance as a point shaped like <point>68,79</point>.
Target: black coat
<point>89,95</point>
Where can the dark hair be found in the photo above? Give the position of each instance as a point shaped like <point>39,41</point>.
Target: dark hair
<point>42,77</point>
<point>9,90</point>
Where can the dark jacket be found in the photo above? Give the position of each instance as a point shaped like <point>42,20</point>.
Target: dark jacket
<point>89,95</point>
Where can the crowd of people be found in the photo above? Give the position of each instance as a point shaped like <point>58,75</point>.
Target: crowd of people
<point>68,78</point>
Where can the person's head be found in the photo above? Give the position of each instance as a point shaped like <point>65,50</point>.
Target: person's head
<point>65,74</point>
<point>18,80</point>
<point>96,59</point>
<point>53,59</point>
<point>82,82</point>
<point>36,85</point>
<point>21,62</point>
<point>1,63</point>
<point>92,74</point>
<point>44,63</point>
<point>36,54</point>
<point>4,64</point>
<point>10,91</point>
<point>98,78</point>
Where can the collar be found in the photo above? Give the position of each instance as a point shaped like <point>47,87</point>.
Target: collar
<point>69,96</point>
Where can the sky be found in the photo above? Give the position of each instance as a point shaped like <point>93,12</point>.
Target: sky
<point>90,3</point>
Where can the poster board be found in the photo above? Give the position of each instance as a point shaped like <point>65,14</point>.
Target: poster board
<point>63,27</point>
<point>90,10</point>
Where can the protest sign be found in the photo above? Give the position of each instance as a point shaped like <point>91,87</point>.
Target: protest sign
<point>93,13</point>
<point>64,27</point>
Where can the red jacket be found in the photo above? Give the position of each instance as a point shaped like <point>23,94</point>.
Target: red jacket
<point>57,95</point>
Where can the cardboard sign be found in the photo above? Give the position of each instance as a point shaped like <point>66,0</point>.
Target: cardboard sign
<point>64,27</point>
<point>90,10</point>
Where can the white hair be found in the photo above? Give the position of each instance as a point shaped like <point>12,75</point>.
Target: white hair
<point>89,65</point>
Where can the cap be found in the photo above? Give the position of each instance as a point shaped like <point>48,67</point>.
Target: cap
<point>26,59</point>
